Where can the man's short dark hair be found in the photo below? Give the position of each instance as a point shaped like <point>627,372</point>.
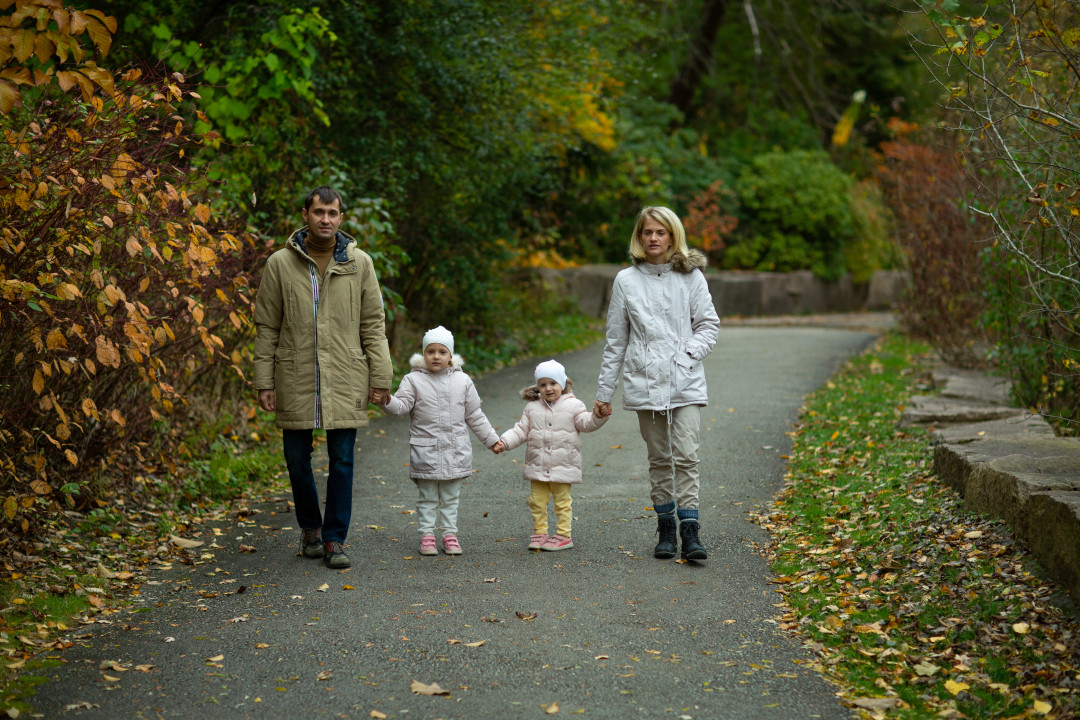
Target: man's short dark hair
<point>326,194</point>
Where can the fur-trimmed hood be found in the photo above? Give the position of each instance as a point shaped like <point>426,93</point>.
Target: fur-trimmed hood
<point>416,362</point>
<point>533,392</point>
<point>694,259</point>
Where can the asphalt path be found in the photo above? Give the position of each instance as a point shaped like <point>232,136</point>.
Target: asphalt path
<point>603,630</point>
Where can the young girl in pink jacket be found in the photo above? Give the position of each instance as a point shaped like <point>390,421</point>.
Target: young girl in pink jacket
<point>551,427</point>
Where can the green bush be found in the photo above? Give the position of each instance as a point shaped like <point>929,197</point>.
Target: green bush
<point>1038,338</point>
<point>800,194</point>
<point>872,247</point>
<point>773,252</point>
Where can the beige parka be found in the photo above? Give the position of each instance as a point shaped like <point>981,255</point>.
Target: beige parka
<point>320,365</point>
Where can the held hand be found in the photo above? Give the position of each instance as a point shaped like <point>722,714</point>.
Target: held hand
<point>267,400</point>
<point>601,409</point>
<point>379,396</point>
<point>498,447</point>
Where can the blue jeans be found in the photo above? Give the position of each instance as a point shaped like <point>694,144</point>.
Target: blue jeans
<point>339,479</point>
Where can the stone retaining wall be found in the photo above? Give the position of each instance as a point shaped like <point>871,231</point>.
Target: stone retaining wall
<point>745,294</point>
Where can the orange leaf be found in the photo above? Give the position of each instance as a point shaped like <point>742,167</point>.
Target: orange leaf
<point>56,340</point>
<point>38,382</point>
<point>89,408</point>
<point>203,213</point>
<point>71,457</point>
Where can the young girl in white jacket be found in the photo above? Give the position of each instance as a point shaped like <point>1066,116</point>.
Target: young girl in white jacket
<point>444,405</point>
<point>551,425</point>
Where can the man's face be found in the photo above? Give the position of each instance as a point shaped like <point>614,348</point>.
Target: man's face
<point>323,220</point>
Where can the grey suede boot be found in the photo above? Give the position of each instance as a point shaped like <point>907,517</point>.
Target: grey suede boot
<point>665,549</point>
<point>692,549</point>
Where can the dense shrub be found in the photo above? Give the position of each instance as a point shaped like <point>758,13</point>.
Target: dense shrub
<point>713,218</point>
<point>939,238</point>
<point>1039,341</point>
<point>873,246</point>
<point>120,292</point>
<point>802,202</point>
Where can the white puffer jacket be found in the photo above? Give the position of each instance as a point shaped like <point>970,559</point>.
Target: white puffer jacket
<point>552,433</point>
<point>661,324</point>
<point>443,406</point>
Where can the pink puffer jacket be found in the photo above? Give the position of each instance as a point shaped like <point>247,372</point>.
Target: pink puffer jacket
<point>553,436</point>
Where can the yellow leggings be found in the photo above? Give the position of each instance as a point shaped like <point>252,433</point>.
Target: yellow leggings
<point>538,501</point>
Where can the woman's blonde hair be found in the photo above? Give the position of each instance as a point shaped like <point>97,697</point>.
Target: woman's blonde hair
<point>671,223</point>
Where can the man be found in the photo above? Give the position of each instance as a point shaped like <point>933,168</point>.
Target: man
<point>321,355</point>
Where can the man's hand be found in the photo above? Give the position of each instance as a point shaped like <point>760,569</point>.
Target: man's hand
<point>379,396</point>
<point>267,400</point>
<point>601,409</point>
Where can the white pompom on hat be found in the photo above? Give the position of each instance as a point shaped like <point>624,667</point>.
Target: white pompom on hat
<point>441,336</point>
<point>551,369</point>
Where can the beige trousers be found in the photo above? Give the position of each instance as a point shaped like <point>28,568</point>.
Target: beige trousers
<point>673,454</point>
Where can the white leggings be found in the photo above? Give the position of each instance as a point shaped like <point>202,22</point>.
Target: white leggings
<point>438,497</point>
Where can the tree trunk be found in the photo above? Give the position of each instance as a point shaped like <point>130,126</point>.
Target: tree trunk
<point>700,58</point>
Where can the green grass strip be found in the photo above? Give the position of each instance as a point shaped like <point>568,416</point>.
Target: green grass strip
<point>914,606</point>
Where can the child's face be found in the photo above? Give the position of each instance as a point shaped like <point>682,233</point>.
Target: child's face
<point>436,357</point>
<point>549,389</point>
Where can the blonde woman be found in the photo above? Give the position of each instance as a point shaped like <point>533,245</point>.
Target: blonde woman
<point>661,324</point>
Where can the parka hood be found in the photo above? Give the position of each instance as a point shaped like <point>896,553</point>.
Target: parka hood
<point>694,259</point>
<point>533,392</point>
<point>416,362</point>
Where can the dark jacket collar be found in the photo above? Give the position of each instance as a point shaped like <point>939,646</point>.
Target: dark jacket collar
<point>341,243</point>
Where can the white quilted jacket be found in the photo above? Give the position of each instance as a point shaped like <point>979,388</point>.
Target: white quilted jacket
<point>444,407</point>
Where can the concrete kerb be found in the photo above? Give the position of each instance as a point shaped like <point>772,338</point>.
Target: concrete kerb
<point>1007,463</point>
<point>744,294</point>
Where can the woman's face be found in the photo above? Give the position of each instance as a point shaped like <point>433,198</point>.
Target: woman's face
<point>656,240</point>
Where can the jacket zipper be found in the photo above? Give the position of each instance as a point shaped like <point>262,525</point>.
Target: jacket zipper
<point>318,380</point>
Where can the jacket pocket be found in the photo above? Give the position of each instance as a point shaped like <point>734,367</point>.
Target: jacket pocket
<point>636,357</point>
<point>685,371</point>
<point>423,455</point>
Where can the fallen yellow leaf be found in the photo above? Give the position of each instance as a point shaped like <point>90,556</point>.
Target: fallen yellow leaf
<point>552,708</point>
<point>324,587</point>
<point>1021,628</point>
<point>1043,708</point>
<point>377,715</point>
<point>347,587</point>
<point>956,687</point>
<point>216,658</point>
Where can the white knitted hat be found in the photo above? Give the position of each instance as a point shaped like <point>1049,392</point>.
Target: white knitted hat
<point>439,335</point>
<point>551,369</point>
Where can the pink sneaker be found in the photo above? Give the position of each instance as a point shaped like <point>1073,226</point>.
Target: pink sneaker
<point>558,542</point>
<point>536,542</point>
<point>427,545</point>
<point>450,544</point>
